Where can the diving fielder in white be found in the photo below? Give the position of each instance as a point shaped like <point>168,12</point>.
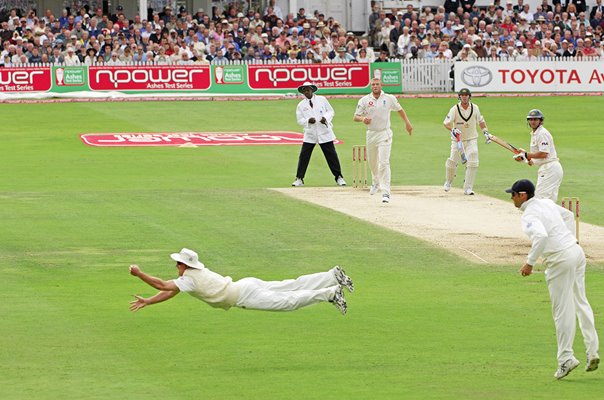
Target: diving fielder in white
<point>221,292</point>
<point>543,154</point>
<point>464,116</point>
<point>374,111</point>
<point>551,230</point>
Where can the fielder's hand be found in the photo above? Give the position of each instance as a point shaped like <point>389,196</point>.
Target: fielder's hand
<point>137,304</point>
<point>134,270</point>
<point>487,136</point>
<point>526,270</point>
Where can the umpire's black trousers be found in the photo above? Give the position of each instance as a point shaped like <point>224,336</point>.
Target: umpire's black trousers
<point>329,151</point>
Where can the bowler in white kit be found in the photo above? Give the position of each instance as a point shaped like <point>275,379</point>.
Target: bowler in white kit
<point>374,111</point>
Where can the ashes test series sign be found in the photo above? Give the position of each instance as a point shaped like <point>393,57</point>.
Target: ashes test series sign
<point>30,79</point>
<point>149,77</point>
<point>291,76</point>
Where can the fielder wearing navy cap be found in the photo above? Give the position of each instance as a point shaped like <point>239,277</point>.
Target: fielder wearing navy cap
<point>522,186</point>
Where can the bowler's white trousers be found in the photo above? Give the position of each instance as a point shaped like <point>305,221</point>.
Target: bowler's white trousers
<point>565,276</point>
<point>287,295</point>
<point>379,146</point>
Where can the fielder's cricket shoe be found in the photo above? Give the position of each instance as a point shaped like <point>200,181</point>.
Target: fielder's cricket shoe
<point>339,301</point>
<point>340,181</point>
<point>468,192</point>
<point>298,182</point>
<point>385,198</point>
<point>373,189</point>
<point>592,363</point>
<point>343,279</point>
<point>447,186</point>
<point>566,367</point>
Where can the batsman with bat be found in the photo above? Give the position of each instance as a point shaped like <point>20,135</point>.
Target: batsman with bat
<point>542,154</point>
<point>462,120</point>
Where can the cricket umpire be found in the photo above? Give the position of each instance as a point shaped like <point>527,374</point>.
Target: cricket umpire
<point>552,233</point>
<point>315,114</point>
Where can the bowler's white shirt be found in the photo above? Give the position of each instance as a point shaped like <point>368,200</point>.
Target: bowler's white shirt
<point>317,132</point>
<point>378,110</point>
<point>549,227</point>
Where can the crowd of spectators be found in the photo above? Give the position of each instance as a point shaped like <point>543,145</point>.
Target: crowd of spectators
<point>460,30</point>
<point>456,30</point>
<point>177,37</point>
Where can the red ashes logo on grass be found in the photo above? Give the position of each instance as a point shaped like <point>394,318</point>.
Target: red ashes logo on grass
<point>25,79</point>
<point>192,139</point>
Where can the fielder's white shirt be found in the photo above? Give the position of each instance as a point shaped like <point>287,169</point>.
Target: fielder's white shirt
<point>216,290</point>
<point>466,121</point>
<point>378,110</point>
<point>542,140</point>
<point>317,132</point>
<point>550,228</point>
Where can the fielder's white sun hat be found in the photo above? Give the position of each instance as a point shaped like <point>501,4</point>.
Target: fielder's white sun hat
<point>188,257</point>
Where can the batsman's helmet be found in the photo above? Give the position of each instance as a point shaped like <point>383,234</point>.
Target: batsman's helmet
<point>535,114</point>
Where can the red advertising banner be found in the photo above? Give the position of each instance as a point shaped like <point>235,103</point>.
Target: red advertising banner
<point>291,76</point>
<point>192,139</point>
<point>149,77</point>
<point>27,79</point>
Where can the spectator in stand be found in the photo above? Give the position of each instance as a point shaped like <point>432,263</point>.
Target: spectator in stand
<point>362,56</point>
<point>90,57</point>
<point>466,54</point>
<point>520,53</point>
<point>383,57</point>
<point>342,56</point>
<point>403,43</point>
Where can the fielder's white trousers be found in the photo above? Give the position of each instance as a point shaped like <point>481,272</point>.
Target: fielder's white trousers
<point>549,179</point>
<point>565,276</point>
<point>287,295</point>
<point>379,146</point>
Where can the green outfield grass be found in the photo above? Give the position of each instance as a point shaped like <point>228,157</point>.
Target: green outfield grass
<point>422,324</point>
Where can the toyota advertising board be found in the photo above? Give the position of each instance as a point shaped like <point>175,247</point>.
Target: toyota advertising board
<point>530,76</point>
<point>28,79</point>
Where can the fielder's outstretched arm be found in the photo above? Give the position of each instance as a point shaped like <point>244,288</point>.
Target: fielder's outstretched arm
<point>142,302</point>
<point>152,281</point>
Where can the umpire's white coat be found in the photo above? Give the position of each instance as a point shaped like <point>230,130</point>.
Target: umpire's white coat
<point>317,132</point>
